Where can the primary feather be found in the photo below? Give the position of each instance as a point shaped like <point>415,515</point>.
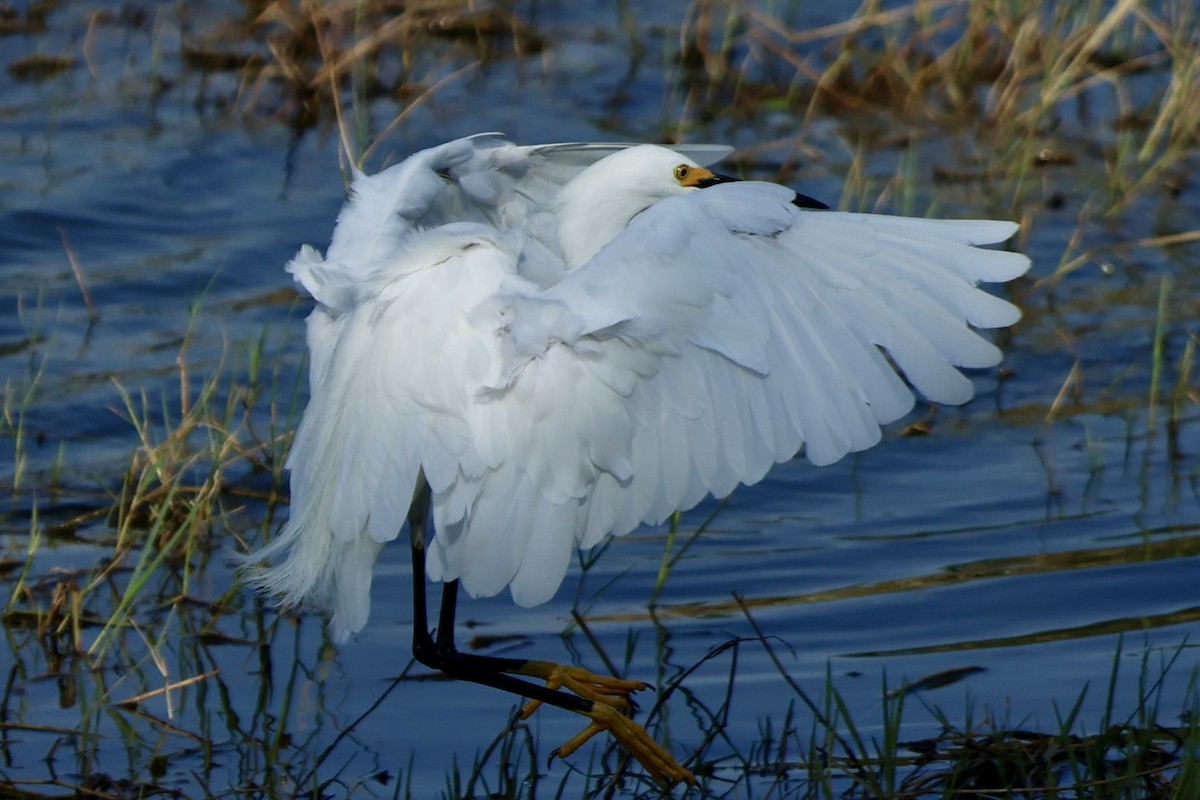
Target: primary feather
<point>567,342</point>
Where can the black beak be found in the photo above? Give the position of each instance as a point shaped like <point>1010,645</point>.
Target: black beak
<point>804,201</point>
<point>800,200</point>
<point>716,178</point>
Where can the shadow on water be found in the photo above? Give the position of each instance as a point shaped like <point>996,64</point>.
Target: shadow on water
<point>1015,579</point>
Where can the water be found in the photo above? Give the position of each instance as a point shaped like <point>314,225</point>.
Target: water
<point>1026,536</point>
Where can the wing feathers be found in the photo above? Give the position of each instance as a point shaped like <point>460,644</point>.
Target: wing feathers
<point>723,331</point>
<point>732,354</point>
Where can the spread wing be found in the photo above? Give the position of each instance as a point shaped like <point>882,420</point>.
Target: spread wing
<point>723,332</point>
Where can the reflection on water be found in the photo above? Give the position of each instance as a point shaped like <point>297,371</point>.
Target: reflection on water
<point>1012,547</point>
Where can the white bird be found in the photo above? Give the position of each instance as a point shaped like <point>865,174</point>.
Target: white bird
<point>548,345</point>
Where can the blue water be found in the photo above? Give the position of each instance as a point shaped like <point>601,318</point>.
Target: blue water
<point>1024,536</point>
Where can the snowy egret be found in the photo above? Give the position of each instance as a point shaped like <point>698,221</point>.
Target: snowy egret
<point>542,346</point>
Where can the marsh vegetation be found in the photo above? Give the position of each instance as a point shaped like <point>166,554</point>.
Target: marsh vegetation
<point>997,601</point>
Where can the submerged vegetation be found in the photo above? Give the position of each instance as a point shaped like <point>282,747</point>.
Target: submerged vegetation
<point>125,631</point>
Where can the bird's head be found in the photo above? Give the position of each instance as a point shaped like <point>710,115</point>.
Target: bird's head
<point>599,202</point>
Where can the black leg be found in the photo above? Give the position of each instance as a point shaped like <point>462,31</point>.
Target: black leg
<point>441,654</point>
<point>604,700</point>
<point>445,629</point>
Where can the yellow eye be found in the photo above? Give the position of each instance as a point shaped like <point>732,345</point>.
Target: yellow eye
<point>681,172</point>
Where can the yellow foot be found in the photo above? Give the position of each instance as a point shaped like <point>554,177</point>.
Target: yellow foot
<point>609,696</point>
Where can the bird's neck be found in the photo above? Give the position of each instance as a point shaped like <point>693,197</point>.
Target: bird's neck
<point>591,217</point>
